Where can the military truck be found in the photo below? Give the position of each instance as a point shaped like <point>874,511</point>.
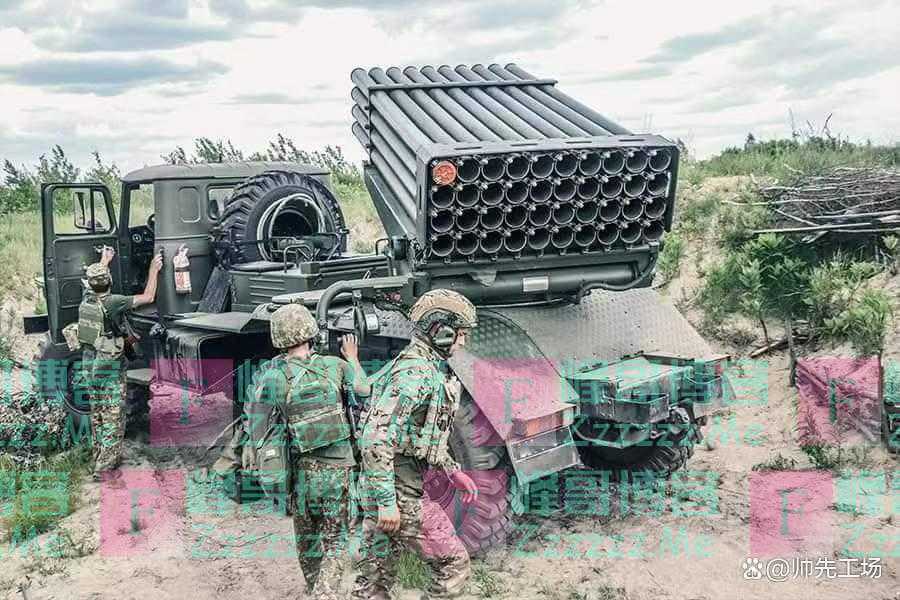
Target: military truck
<point>487,180</point>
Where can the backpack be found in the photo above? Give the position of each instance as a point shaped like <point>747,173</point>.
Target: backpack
<point>315,421</point>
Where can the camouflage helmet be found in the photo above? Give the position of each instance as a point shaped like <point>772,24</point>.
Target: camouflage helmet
<point>98,275</point>
<point>291,325</point>
<point>445,307</point>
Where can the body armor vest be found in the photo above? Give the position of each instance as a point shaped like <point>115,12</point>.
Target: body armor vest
<point>94,328</point>
<point>92,321</point>
<point>314,407</point>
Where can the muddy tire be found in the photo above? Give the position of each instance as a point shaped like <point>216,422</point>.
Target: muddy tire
<point>659,458</point>
<point>485,523</point>
<point>276,203</point>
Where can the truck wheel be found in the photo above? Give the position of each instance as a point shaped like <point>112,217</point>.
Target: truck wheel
<point>275,204</point>
<point>660,457</point>
<point>54,389</point>
<point>486,522</point>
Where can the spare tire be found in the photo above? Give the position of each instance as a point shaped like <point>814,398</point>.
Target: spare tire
<point>276,204</point>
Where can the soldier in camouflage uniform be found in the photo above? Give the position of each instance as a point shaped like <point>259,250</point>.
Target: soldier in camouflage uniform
<point>101,331</point>
<point>307,385</point>
<point>405,433</point>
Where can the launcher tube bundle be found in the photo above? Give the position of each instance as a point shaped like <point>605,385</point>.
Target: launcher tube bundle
<point>491,165</point>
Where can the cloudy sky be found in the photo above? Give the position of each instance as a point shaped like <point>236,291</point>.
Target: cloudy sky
<point>135,78</point>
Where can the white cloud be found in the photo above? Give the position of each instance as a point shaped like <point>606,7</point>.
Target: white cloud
<point>705,71</point>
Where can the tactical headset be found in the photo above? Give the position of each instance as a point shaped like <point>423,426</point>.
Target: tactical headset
<point>441,328</point>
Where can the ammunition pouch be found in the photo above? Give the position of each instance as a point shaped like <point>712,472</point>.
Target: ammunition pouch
<point>273,464</point>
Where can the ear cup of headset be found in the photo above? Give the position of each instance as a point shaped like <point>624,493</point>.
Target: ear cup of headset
<point>443,336</point>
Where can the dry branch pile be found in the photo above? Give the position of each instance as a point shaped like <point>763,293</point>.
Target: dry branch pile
<point>846,200</point>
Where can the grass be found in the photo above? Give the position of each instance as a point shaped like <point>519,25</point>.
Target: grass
<point>412,572</point>
<point>673,251</point>
<point>359,213</point>
<point>776,463</point>
<point>20,254</point>
<point>836,457</point>
<point>781,159</point>
<point>486,582</point>
<point>17,516</point>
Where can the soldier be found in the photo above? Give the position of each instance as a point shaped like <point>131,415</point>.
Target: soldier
<point>311,387</point>
<point>405,432</point>
<point>102,333</point>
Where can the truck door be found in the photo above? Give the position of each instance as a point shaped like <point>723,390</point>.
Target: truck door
<point>78,220</point>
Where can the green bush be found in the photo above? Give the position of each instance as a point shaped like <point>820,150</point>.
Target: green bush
<point>673,248</point>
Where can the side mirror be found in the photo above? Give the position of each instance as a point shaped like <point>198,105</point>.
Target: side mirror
<point>85,208</point>
<point>80,210</point>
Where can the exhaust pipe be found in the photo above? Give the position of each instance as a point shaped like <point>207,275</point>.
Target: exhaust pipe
<point>515,241</point>
<point>612,187</point>
<point>635,185</point>
<point>467,169</point>
<point>587,212</point>
<point>563,214</point>
<point>585,235</point>
<point>658,184</point>
<point>660,160</point>
<point>632,209</point>
<point>517,166</point>
<point>467,220</point>
<point>467,243</point>
<point>653,230</point>
<point>564,189</point>
<point>609,210</point>
<point>538,239</point>
<point>493,193</point>
<point>589,188</point>
<point>491,242</point>
<point>442,197</point>
<point>517,216</point>
<point>636,161</point>
<point>542,165</point>
<point>655,207</point>
<point>492,218</point>
<point>613,162</point>
<point>442,245</point>
<point>541,190</point>
<point>562,237</point>
<point>493,168</point>
<point>566,164</point>
<point>540,215</point>
<point>590,163</point>
<point>467,195</point>
<point>442,220</point>
<point>607,233</point>
<point>517,192</point>
<point>630,232</point>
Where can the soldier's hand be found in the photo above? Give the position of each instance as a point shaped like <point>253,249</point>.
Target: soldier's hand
<point>156,264</point>
<point>464,484</point>
<point>388,519</point>
<point>107,255</point>
<point>350,347</point>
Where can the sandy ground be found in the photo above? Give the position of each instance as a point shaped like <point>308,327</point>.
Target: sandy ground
<point>176,547</point>
<point>181,549</point>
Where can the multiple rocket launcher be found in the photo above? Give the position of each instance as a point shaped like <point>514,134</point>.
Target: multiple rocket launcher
<point>491,163</point>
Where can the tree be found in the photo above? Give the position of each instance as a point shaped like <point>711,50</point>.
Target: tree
<point>107,174</point>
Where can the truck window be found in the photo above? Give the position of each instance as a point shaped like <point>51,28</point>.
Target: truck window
<point>80,211</point>
<point>189,204</point>
<point>215,201</point>
<point>140,206</point>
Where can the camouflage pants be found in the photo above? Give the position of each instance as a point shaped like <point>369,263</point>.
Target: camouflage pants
<point>101,378</point>
<point>425,529</point>
<point>107,425</point>
<point>320,525</point>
